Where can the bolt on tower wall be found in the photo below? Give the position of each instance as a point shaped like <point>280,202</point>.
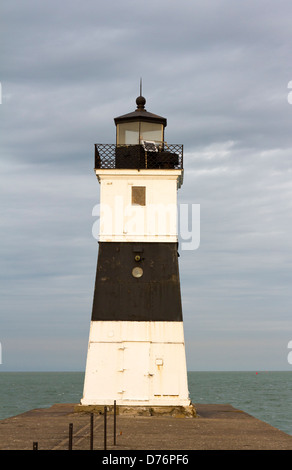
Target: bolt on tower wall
<point>136,350</point>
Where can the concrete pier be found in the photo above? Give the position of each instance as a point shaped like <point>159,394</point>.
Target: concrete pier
<point>215,427</point>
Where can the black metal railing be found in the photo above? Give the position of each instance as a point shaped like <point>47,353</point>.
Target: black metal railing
<point>166,156</point>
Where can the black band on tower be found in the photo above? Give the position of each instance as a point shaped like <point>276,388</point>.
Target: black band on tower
<point>137,282</point>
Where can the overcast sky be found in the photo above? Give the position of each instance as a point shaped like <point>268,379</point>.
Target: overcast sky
<point>219,72</point>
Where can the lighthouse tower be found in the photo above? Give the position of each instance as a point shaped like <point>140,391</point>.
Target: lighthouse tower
<point>136,351</point>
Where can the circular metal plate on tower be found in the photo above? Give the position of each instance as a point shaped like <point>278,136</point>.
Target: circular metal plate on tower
<point>137,271</point>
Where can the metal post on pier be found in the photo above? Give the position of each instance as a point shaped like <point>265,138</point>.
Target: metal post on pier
<point>115,422</point>
<point>105,428</point>
<point>70,435</point>
<point>91,431</point>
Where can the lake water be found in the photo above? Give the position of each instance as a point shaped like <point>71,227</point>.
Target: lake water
<point>264,395</point>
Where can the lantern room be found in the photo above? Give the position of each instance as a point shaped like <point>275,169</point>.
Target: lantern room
<point>139,126</point>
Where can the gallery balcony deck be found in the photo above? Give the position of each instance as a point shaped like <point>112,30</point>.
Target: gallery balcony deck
<point>144,156</point>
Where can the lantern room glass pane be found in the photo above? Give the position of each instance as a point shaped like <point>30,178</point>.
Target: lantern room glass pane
<point>151,131</point>
<point>128,133</point>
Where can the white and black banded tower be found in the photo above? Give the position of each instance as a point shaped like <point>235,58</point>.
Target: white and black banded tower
<point>136,351</point>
